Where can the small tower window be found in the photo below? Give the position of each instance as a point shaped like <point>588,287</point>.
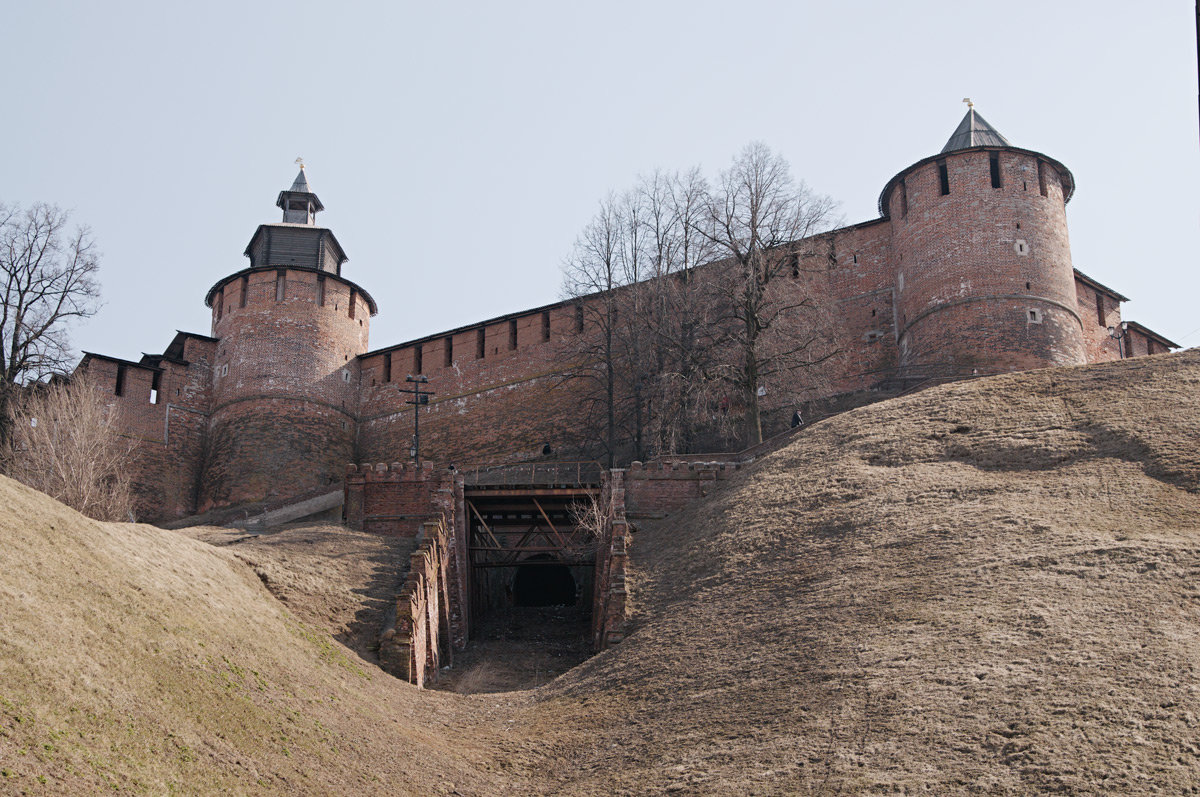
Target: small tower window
<point>943,177</point>
<point>418,359</point>
<point>545,325</point>
<point>448,351</point>
<point>353,302</point>
<point>320,290</point>
<point>387,367</point>
<point>280,285</point>
<point>480,343</point>
<point>994,162</point>
<point>245,290</point>
<point>1042,177</point>
<point>220,304</point>
<point>1035,316</point>
<point>1100,308</point>
<point>795,265</point>
<point>119,387</point>
<point>903,200</point>
<point>578,318</point>
<point>512,334</point>
<point>155,385</point>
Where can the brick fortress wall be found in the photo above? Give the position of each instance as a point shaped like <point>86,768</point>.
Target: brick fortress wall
<point>164,409</point>
<point>969,269</point>
<point>499,393</point>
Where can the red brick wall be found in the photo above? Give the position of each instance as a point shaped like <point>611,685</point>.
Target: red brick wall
<point>609,596</point>
<point>502,407</point>
<point>168,436</point>
<point>403,500</point>
<point>397,499</point>
<point>1100,345</point>
<point>416,646</point>
<point>658,488</point>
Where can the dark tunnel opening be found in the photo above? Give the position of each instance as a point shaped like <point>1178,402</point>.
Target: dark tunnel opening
<point>542,581</point>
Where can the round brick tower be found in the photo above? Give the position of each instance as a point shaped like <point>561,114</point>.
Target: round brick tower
<point>285,381</point>
<point>984,280</point>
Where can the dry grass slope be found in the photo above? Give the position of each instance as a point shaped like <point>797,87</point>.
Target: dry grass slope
<point>132,658</point>
<point>989,588</point>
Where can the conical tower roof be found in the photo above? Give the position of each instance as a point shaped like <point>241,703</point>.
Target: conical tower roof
<point>300,184</point>
<point>300,190</point>
<point>974,131</point>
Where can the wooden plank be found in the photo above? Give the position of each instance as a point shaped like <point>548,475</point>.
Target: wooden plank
<point>558,537</point>
<point>482,522</point>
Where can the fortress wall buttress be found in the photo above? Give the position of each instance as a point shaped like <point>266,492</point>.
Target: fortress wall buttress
<point>285,384</point>
<point>983,265</point>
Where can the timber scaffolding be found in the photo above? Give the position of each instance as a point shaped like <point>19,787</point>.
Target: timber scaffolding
<point>536,523</point>
<point>484,531</point>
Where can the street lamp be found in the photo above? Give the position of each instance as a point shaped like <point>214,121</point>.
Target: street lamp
<point>1118,334</point>
<point>419,399</point>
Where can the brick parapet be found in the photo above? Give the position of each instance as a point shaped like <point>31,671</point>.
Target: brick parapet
<point>420,641</point>
<point>610,597</point>
<point>658,488</point>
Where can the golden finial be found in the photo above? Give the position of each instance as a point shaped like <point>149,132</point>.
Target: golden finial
<point>970,104</point>
<point>300,161</point>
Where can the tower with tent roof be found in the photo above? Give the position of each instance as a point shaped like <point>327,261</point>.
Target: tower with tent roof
<point>289,331</point>
<point>983,273</point>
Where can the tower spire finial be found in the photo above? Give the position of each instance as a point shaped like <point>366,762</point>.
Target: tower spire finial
<point>300,205</point>
<point>967,100</point>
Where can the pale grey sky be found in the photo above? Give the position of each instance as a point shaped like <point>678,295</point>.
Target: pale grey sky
<point>460,147</point>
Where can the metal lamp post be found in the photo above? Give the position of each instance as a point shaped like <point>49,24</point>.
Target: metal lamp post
<point>1118,334</point>
<point>419,399</point>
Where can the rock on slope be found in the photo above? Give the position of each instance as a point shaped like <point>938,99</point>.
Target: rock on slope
<point>132,658</point>
<point>989,587</point>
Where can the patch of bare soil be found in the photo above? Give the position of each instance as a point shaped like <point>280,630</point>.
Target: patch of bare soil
<point>519,648</point>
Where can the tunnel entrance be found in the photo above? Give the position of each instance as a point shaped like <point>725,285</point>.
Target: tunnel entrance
<point>532,573</point>
<point>542,580</point>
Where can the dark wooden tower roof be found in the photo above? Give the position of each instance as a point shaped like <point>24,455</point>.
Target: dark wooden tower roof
<point>974,131</point>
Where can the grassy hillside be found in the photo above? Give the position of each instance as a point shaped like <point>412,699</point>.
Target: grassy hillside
<point>135,659</point>
<point>989,587</point>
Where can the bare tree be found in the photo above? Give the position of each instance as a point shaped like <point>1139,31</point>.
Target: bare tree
<point>593,271</point>
<point>679,312</point>
<point>65,442</point>
<point>756,217</point>
<point>47,279</point>
<point>677,283</point>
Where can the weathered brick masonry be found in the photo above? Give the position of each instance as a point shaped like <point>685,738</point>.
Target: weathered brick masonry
<point>967,270</point>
